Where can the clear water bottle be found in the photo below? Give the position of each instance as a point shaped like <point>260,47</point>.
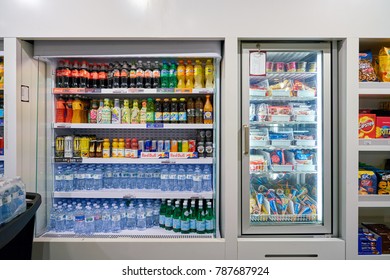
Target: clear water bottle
<point>1,208</point>
<point>53,214</point>
<point>207,180</point>
<point>131,221</point>
<point>60,220</point>
<point>79,221</point>
<point>164,178</point>
<point>98,219</point>
<point>125,178</point>
<point>133,176</point>
<point>141,177</point>
<point>173,179</point>
<point>181,179</point>
<point>107,177</point>
<point>69,218</point>
<point>122,211</point>
<point>148,177</point>
<point>7,200</point>
<point>156,177</point>
<point>89,221</point>
<point>58,180</point>
<point>116,177</point>
<point>115,220</point>
<point>76,176</point>
<point>149,214</point>
<point>189,181</point>
<point>89,179</point>
<point>68,179</point>
<point>156,213</point>
<point>98,179</point>
<point>81,179</point>
<point>106,219</point>
<point>197,180</point>
<point>141,217</point>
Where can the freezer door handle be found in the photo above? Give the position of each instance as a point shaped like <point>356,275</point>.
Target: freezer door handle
<point>246,139</point>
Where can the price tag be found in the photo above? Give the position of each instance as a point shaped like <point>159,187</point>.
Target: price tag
<point>154,125</point>
<point>257,63</point>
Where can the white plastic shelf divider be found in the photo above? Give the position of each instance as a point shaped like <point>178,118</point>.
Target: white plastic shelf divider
<point>134,193</point>
<point>274,122</point>
<point>142,161</point>
<point>374,200</point>
<point>254,98</point>
<point>374,89</point>
<point>131,126</point>
<point>270,147</point>
<point>374,145</point>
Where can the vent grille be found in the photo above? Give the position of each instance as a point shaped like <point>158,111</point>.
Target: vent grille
<point>132,236</point>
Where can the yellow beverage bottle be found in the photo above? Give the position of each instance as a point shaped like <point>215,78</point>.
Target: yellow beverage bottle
<point>106,148</point>
<point>189,74</point>
<point>208,111</point>
<point>121,148</point>
<point>198,74</point>
<point>78,110</point>
<point>181,75</point>
<point>115,148</point>
<point>209,74</point>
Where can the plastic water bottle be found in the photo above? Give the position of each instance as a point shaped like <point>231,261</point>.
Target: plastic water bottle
<point>7,200</point>
<point>116,177</point>
<point>173,179</point>
<point>58,180</point>
<point>148,177</point>
<point>89,221</point>
<point>60,220</point>
<point>164,178</point>
<point>81,179</point>
<point>122,211</point>
<point>69,218</point>
<point>53,214</point>
<point>89,179</point>
<point>181,178</point>
<point>68,179</point>
<point>79,221</point>
<point>141,177</point>
<point>133,173</point>
<point>125,177</point>
<point>141,217</point>
<point>189,174</point>
<point>98,179</point>
<point>131,221</point>
<point>156,177</point>
<point>106,219</point>
<point>107,177</point>
<point>207,182</point>
<point>156,213</point>
<point>115,220</point>
<point>197,180</point>
<point>1,208</point>
<point>97,212</point>
<point>149,214</point>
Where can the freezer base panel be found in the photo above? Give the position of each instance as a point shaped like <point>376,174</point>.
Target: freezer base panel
<point>116,249</point>
<point>291,248</point>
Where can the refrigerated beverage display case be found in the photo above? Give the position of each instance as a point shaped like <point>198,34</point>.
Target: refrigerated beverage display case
<point>125,155</point>
<point>286,117</point>
<point>1,112</point>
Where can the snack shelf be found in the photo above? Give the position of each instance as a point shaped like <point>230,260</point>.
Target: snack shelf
<point>373,200</point>
<point>135,160</point>
<point>131,91</point>
<point>374,144</point>
<point>134,193</point>
<point>374,89</point>
<point>285,75</point>
<point>131,126</point>
<point>270,147</point>
<point>265,123</point>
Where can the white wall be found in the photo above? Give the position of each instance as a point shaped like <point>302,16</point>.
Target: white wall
<point>196,18</point>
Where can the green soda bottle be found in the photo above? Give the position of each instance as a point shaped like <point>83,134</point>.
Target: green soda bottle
<point>193,215</point>
<point>150,111</point>
<point>164,75</point>
<point>185,218</point>
<point>176,217</point>
<point>200,219</point>
<point>163,208</point>
<point>209,218</point>
<point>172,76</point>
<point>169,216</point>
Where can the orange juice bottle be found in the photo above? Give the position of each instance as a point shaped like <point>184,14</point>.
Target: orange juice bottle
<point>208,111</point>
<point>106,148</point>
<point>78,110</point>
<point>121,148</point>
<point>189,74</point>
<point>115,147</point>
<point>181,75</point>
<point>209,74</point>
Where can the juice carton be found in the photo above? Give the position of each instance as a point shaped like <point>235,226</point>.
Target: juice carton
<point>367,125</point>
<point>383,127</point>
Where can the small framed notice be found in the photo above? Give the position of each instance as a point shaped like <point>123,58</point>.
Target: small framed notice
<point>257,63</point>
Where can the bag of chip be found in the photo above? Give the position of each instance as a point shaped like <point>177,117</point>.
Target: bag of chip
<point>366,69</point>
<point>384,65</point>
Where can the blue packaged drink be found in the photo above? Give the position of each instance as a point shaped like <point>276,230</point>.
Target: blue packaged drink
<point>160,146</point>
<point>148,145</point>
<point>154,146</point>
<point>167,146</point>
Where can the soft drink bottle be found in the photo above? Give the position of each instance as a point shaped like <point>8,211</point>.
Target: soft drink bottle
<point>150,111</point>
<point>168,221</point>
<point>98,219</point>
<point>173,75</point>
<point>148,75</point>
<point>176,223</point>
<point>185,218</point>
<point>60,110</point>
<point>161,220</point>
<point>156,75</point>
<point>131,217</point>
<point>60,220</point>
<point>207,182</point>
<point>125,75</point>
<point>110,75</point>
<point>115,220</point>
<point>190,110</point>
<point>149,214</point>
<point>94,76</point>
<point>74,75</point>
<point>208,111</point>
<point>181,75</point>
<point>189,74</point>
<point>89,221</point>
<point>181,179</point>
<point>66,73</point>
<point>106,219</point>
<point>165,75</point>
<point>59,70</point>
<point>210,220</point>
<point>200,220</point>
<point>140,75</point>
<point>199,110</point>
<point>79,221</point>
<point>133,76</point>
<point>116,75</point>
<point>198,74</point>
<point>103,76</point>
<point>84,75</point>
<point>209,74</point>
<point>141,217</point>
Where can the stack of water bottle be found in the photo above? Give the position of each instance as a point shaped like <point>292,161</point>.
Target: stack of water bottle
<point>94,216</point>
<point>80,177</point>
<point>12,199</point>
<point>1,169</point>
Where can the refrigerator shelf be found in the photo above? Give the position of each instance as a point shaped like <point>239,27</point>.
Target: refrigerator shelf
<point>134,193</point>
<point>373,200</point>
<point>154,232</point>
<point>135,160</point>
<point>273,171</point>
<point>261,219</point>
<point>131,91</point>
<point>265,123</point>
<point>285,75</point>
<point>270,147</point>
<point>131,126</point>
<point>272,98</point>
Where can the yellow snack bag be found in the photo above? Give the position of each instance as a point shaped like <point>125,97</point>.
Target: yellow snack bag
<point>384,64</point>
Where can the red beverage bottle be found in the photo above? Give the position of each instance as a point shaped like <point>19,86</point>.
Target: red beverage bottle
<point>125,75</point>
<point>59,74</point>
<point>69,110</point>
<point>60,110</point>
<point>103,76</point>
<point>74,78</point>
<point>84,75</point>
<point>66,73</point>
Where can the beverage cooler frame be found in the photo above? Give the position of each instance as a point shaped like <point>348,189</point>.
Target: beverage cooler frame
<point>48,66</point>
<point>325,185</point>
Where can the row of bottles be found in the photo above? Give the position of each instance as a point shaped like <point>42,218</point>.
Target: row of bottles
<point>116,111</point>
<point>94,216</point>
<point>90,177</point>
<point>135,75</point>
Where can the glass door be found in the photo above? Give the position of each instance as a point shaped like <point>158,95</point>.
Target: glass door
<point>286,116</point>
